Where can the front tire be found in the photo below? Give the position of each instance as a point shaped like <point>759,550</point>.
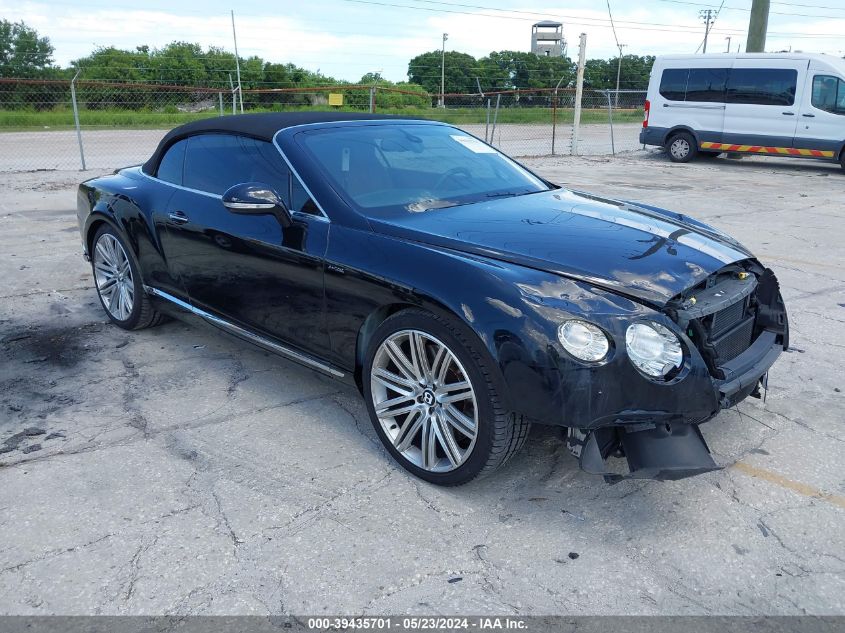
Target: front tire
<point>681,147</point>
<point>117,279</point>
<point>433,402</point>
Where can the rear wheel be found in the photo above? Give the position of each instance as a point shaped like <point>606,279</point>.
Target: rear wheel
<point>681,147</point>
<point>842,159</point>
<point>118,282</point>
<point>433,402</point>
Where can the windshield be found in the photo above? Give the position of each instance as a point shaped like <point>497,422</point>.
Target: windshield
<point>390,170</point>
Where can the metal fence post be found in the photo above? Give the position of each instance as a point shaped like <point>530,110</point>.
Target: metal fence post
<point>495,118</point>
<point>372,99</point>
<point>220,97</point>
<point>487,126</point>
<point>579,91</point>
<point>610,117</point>
<point>76,117</point>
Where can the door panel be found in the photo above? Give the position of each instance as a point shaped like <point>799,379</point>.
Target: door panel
<point>819,128</point>
<point>763,106</point>
<point>250,270</point>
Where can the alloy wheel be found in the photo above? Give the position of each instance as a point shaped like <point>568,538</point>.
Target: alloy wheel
<point>424,401</point>
<point>113,276</point>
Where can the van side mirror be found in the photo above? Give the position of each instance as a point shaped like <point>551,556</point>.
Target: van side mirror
<point>256,198</point>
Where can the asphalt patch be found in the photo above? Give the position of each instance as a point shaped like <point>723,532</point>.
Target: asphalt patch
<point>62,347</point>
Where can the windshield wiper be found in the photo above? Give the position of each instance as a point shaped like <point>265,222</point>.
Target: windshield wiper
<point>507,194</point>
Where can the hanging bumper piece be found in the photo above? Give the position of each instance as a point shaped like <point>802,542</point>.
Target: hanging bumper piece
<point>664,452</point>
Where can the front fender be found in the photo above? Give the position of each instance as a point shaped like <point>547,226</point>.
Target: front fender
<point>514,313</point>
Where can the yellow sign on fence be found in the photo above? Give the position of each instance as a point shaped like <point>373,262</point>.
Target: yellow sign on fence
<point>335,99</point>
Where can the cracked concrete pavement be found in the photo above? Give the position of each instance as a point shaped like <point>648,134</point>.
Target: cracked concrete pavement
<point>177,471</point>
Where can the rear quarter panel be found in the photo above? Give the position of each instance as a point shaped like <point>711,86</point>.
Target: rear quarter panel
<point>134,205</point>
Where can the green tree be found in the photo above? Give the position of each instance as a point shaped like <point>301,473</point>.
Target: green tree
<point>600,74</point>
<point>519,70</point>
<point>22,52</point>
<point>115,64</point>
<point>461,72</point>
<point>179,63</point>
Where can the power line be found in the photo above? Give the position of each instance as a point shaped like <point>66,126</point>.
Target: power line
<point>594,22</point>
<point>730,8</point>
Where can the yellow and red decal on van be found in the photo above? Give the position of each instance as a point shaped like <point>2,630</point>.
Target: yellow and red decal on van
<point>763,149</point>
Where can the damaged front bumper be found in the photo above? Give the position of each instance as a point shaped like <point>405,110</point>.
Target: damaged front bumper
<point>670,447</point>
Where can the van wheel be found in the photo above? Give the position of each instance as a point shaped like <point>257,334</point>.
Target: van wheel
<point>842,159</point>
<point>681,147</point>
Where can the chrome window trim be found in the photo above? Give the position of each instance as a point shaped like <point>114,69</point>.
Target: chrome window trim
<point>182,187</point>
<point>295,173</point>
<point>236,329</point>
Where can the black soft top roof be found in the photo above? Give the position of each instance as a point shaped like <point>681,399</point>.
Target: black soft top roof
<point>261,126</point>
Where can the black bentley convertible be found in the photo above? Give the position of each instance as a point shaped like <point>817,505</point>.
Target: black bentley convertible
<point>465,296</point>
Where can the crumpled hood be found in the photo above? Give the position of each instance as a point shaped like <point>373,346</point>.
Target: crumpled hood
<point>636,250</point>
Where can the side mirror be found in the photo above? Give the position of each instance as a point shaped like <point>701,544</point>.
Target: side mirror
<point>256,198</point>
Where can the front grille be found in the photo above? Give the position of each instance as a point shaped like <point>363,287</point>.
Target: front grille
<point>723,335</point>
<point>735,342</point>
<point>726,318</point>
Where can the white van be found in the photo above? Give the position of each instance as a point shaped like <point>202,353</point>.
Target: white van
<point>781,104</point>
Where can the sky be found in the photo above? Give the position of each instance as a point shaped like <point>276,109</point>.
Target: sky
<point>348,38</point>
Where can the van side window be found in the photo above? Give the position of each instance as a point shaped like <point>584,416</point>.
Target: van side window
<point>673,83</point>
<point>829,94</point>
<point>707,84</point>
<point>762,86</point>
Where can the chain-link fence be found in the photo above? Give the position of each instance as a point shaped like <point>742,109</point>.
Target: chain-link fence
<point>47,125</point>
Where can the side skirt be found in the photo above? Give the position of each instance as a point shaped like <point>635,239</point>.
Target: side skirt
<point>243,333</point>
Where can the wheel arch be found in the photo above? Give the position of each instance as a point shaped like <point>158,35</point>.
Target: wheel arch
<point>365,333</point>
<point>681,128</point>
<point>378,316</point>
<point>95,221</point>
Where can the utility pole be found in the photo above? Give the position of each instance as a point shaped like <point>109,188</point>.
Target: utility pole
<point>619,72</point>
<point>237,63</point>
<point>443,72</point>
<point>729,44</point>
<point>707,16</point>
<point>757,26</point>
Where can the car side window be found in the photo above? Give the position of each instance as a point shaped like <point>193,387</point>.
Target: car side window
<point>300,200</point>
<point>762,86</point>
<point>829,94</point>
<point>170,167</point>
<point>673,83</point>
<point>215,162</point>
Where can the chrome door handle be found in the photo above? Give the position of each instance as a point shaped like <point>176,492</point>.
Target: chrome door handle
<point>177,217</point>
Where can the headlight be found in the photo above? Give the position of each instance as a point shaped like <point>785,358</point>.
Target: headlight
<point>653,348</point>
<point>583,340</point>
